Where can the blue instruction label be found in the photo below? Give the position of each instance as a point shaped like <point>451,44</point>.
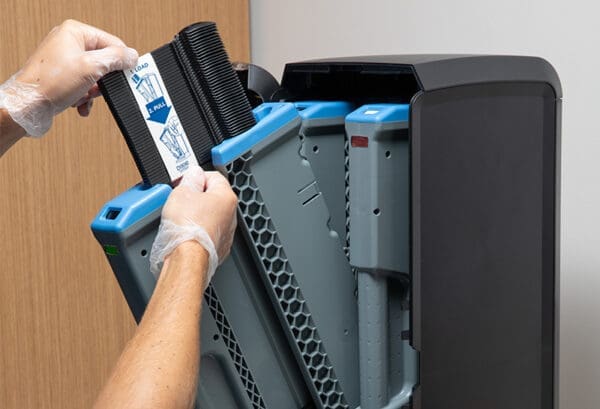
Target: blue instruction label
<point>160,115</point>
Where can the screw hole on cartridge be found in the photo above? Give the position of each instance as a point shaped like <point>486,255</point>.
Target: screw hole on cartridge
<point>377,212</point>
<point>315,149</point>
<point>388,154</point>
<point>144,253</point>
<point>345,332</point>
<point>216,337</point>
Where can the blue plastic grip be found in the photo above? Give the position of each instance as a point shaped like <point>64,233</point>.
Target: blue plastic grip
<point>379,113</point>
<point>130,207</point>
<point>322,110</point>
<point>270,118</point>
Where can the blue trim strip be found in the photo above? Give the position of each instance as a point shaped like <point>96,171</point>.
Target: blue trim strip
<point>379,113</point>
<point>270,118</point>
<point>321,110</point>
<point>130,207</point>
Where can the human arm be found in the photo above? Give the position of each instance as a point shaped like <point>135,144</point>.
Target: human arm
<point>159,367</point>
<point>62,72</point>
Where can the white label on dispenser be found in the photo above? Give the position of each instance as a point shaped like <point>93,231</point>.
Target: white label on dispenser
<point>160,116</point>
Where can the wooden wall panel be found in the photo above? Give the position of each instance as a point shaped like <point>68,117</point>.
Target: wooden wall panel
<point>63,320</point>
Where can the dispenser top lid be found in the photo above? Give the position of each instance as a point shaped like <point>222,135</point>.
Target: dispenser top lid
<point>407,74</point>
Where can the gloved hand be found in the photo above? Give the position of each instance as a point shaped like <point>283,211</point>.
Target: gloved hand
<point>201,208</point>
<point>63,72</point>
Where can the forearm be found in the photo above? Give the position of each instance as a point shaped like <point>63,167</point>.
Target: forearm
<point>159,366</point>
<point>10,131</point>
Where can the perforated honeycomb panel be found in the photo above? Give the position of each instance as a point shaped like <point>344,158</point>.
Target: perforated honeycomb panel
<point>233,348</point>
<point>284,289</point>
<point>347,195</point>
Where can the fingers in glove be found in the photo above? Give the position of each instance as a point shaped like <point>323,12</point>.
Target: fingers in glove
<point>85,108</point>
<point>112,58</point>
<point>94,92</point>
<point>217,184</point>
<point>194,178</point>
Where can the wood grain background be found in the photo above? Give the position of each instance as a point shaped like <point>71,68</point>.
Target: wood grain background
<point>63,319</point>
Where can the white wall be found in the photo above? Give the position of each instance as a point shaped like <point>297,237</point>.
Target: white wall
<point>566,33</point>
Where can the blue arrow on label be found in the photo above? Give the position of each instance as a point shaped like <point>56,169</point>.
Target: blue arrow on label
<point>158,110</point>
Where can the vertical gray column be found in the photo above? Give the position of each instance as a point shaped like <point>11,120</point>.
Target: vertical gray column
<point>373,340</point>
<point>378,161</point>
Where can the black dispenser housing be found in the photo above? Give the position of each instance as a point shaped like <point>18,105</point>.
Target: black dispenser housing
<point>485,172</point>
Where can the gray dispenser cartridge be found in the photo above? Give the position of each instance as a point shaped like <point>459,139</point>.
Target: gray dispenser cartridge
<point>378,194</point>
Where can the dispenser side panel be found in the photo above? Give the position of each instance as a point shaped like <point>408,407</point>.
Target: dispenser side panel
<point>483,245</point>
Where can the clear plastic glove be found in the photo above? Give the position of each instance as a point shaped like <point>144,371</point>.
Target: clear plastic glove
<point>201,208</point>
<point>62,72</point>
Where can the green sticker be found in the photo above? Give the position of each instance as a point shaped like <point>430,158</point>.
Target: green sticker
<point>111,250</point>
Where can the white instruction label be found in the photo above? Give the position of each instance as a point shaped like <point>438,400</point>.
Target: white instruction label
<point>161,119</point>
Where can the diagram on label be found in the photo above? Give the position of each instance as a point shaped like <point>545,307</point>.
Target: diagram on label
<point>149,87</point>
<point>174,139</point>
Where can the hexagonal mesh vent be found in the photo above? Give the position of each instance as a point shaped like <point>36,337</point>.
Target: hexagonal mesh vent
<point>347,195</point>
<point>284,288</point>
<point>233,347</point>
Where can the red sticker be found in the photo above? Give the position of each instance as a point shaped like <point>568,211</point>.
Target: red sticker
<point>359,142</point>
